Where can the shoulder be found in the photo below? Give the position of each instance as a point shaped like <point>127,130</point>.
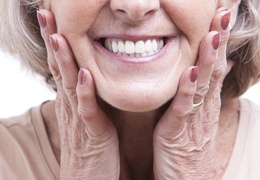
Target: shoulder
<point>250,115</point>
<point>14,129</point>
<point>12,139</point>
<point>249,106</point>
<point>20,150</point>
<point>20,121</point>
<point>245,158</point>
<point>17,127</point>
<point>15,133</point>
<point>249,122</point>
<point>247,146</point>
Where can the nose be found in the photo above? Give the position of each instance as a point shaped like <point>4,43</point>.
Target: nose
<point>134,9</point>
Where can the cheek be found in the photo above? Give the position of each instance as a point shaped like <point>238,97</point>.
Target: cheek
<point>74,18</point>
<point>192,17</point>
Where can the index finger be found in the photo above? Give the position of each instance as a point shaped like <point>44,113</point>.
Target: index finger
<point>48,27</point>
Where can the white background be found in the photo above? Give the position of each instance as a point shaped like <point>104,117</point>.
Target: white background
<point>20,90</point>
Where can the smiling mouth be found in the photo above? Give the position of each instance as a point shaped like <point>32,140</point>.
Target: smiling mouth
<point>139,48</point>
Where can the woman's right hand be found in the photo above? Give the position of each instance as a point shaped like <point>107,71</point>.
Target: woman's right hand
<point>89,142</point>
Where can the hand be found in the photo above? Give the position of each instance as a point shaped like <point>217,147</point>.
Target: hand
<point>89,143</point>
<point>184,146</point>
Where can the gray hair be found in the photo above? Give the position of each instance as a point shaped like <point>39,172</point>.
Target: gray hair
<point>20,36</point>
<point>243,49</point>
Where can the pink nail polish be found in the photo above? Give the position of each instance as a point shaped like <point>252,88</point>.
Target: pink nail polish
<point>81,77</point>
<point>41,20</point>
<point>54,43</point>
<point>216,41</point>
<point>225,21</point>
<point>194,74</point>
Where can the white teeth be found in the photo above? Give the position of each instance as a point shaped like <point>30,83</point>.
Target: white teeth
<point>154,44</point>
<point>121,47</point>
<point>161,44</point>
<point>144,54</point>
<point>129,47</point>
<point>139,47</point>
<point>150,53</point>
<point>114,47</point>
<point>134,49</point>
<point>148,46</point>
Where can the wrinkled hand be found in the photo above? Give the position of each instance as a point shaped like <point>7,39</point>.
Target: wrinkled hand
<point>184,145</point>
<point>89,143</point>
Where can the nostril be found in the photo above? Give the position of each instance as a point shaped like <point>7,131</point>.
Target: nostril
<point>134,10</point>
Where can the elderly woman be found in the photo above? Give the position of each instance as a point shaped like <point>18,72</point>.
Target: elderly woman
<point>146,89</point>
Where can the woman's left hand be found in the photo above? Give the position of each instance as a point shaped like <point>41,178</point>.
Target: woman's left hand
<point>184,140</point>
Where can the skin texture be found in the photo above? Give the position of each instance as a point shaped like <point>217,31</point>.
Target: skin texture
<point>98,141</point>
<point>143,89</point>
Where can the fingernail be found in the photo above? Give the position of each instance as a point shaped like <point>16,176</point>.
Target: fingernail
<point>54,43</point>
<point>81,77</point>
<point>216,41</point>
<point>194,74</point>
<point>225,21</point>
<point>41,19</point>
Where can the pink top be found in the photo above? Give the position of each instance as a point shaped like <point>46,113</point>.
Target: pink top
<point>245,160</point>
<point>26,153</point>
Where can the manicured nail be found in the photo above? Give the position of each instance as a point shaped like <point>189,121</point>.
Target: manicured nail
<point>81,77</point>
<point>216,41</point>
<point>225,21</point>
<point>194,74</point>
<point>41,20</point>
<point>54,44</point>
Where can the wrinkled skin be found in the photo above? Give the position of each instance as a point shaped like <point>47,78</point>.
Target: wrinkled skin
<point>183,142</point>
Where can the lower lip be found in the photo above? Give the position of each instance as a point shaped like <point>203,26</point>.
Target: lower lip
<point>133,60</point>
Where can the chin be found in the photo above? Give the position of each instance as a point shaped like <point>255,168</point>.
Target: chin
<point>137,102</point>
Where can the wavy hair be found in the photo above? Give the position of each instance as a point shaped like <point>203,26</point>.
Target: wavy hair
<point>20,36</point>
<point>244,50</point>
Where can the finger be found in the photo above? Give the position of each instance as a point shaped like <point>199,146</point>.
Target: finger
<point>221,23</point>
<point>206,61</point>
<point>48,27</point>
<point>67,67</point>
<point>173,121</point>
<point>97,123</point>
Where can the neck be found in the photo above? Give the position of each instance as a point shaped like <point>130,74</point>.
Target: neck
<point>128,122</point>
<point>135,134</point>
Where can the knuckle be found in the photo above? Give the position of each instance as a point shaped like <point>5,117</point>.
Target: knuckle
<point>180,111</point>
<point>82,93</point>
<point>210,63</point>
<point>69,89</point>
<point>188,92</point>
<point>218,72</point>
<point>87,113</point>
<point>57,77</point>
<point>64,63</point>
<point>53,68</point>
<point>202,90</point>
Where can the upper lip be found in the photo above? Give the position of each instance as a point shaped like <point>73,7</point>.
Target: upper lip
<point>133,37</point>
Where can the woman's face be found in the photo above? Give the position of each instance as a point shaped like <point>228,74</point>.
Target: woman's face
<point>144,75</point>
